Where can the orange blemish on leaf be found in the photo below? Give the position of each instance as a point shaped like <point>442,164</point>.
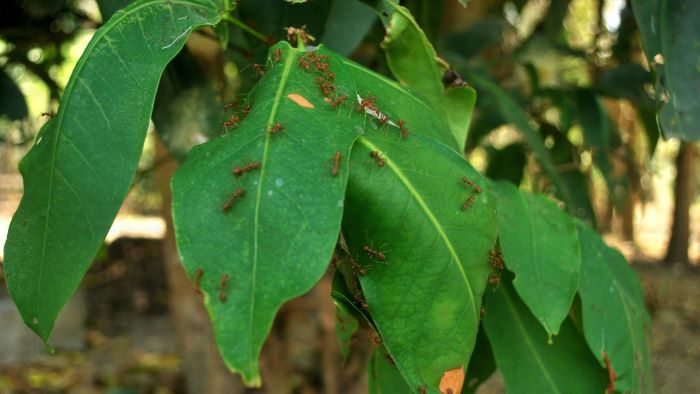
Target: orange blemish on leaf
<point>611,373</point>
<point>452,381</point>
<point>300,100</point>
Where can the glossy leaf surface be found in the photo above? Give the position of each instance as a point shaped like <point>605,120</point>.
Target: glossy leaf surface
<point>527,362</point>
<point>615,321</point>
<point>434,233</point>
<point>82,164</point>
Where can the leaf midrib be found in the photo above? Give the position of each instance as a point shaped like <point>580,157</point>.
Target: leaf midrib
<point>94,42</point>
<point>428,212</point>
<point>256,222</point>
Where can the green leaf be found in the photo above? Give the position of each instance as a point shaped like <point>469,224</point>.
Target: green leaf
<point>414,62</point>
<point>540,246</point>
<point>347,314</point>
<point>80,168</point>
<point>527,362</point>
<point>511,111</point>
<point>382,376</point>
<point>346,26</point>
<point>670,33</point>
<point>615,321</point>
<point>424,294</point>
<point>109,7</point>
<point>507,163</point>
<point>12,102</point>
<point>276,240</point>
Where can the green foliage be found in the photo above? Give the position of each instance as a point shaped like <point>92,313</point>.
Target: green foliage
<point>670,33</point>
<point>80,168</point>
<point>528,363</point>
<point>326,160</point>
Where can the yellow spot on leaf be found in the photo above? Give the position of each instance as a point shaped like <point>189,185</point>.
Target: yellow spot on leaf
<point>300,100</point>
<point>452,381</point>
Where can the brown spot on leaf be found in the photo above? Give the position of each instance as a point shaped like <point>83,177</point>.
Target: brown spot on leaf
<point>300,100</point>
<point>452,381</point>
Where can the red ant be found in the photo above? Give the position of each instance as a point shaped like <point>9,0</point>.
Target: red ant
<point>231,104</point>
<point>222,287</point>
<point>277,55</point>
<point>197,279</point>
<point>377,158</point>
<point>495,280</point>
<point>303,63</point>
<point>468,203</point>
<point>336,163</point>
<point>238,171</point>
<point>276,128</point>
<point>383,119</point>
<point>404,129</point>
<point>471,184</point>
<point>376,338</point>
<point>496,260</point>
<point>330,75</point>
<point>356,268</point>
<point>259,69</point>
<point>49,114</point>
<point>421,388</point>
<point>237,195</point>
<point>233,121</point>
<point>367,103</point>
<point>375,254</point>
<point>337,101</point>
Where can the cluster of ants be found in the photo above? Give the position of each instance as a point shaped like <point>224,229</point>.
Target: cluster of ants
<point>223,284</point>
<point>476,190</point>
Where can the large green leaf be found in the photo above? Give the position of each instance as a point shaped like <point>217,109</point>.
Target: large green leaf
<point>511,111</point>
<point>615,321</point>
<point>275,242</point>
<point>80,168</point>
<point>527,362</point>
<point>414,62</point>
<point>670,32</point>
<point>540,245</point>
<point>435,233</point>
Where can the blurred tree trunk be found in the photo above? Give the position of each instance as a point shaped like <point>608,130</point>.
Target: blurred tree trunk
<point>684,193</point>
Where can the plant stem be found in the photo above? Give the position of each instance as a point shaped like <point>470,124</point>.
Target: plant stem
<point>246,28</point>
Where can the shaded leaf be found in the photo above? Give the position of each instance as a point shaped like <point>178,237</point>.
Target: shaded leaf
<point>507,163</point>
<point>346,26</point>
<point>12,102</point>
<point>384,377</point>
<point>414,63</point>
<point>423,296</point>
<point>527,362</point>
<point>539,245</point>
<point>615,321</point>
<point>511,112</point>
<point>80,168</point>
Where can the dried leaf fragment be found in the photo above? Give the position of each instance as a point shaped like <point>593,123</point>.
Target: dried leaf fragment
<point>300,100</point>
<point>452,381</point>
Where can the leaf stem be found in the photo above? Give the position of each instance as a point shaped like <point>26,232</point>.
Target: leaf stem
<point>246,28</point>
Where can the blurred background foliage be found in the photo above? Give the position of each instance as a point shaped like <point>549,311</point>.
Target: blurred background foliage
<point>564,91</point>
